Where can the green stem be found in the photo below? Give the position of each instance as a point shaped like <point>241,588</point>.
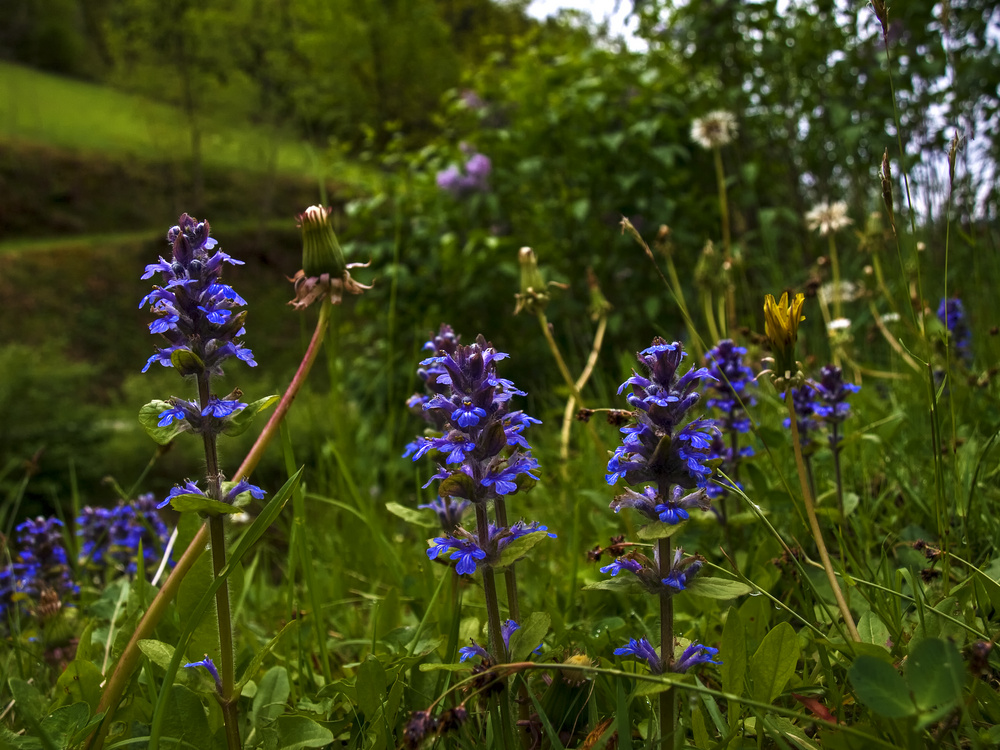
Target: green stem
<point>227,668</point>
<point>706,301</point>
<point>835,267</point>
<point>668,699</point>
<point>814,522</point>
<point>720,177</point>
<point>563,369</point>
<point>127,662</point>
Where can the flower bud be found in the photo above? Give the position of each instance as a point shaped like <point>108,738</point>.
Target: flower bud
<point>533,296</point>
<point>321,252</point>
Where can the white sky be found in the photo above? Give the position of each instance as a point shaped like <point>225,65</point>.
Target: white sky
<point>600,9</point>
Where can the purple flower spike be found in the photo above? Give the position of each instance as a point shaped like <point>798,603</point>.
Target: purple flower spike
<point>196,313</point>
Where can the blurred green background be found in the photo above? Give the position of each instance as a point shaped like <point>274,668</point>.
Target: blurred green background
<point>118,115</point>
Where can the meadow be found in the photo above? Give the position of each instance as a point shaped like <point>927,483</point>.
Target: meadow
<point>614,416</point>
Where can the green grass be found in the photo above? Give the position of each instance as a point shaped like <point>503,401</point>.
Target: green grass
<point>42,108</point>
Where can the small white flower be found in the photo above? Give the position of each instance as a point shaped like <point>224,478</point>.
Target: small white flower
<point>714,130</point>
<point>240,519</point>
<point>838,324</point>
<point>831,292</point>
<point>890,317</point>
<point>828,217</point>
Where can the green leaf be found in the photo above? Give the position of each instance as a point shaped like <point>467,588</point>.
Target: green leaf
<point>880,687</point>
<point>261,654</point>
<point>161,653</point>
<point>520,547</point>
<point>734,665</point>
<point>429,667</point>
<point>300,731</point>
<point>662,682</point>
<point>524,640</point>
<point>371,684</point>
<point>873,630</point>
<point>186,362</point>
<point>623,584</point>
<point>186,714</point>
<point>773,664</point>
<point>411,515</point>
<point>659,530</point>
<point>201,504</point>
<point>239,422</point>
<point>27,699</point>
<point>457,484</point>
<point>149,418</point>
<point>79,682</point>
<point>65,722</point>
<point>935,673</point>
<point>718,588</point>
<point>272,693</point>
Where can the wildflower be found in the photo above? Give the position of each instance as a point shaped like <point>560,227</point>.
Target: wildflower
<point>828,217</point>
<point>208,664</point>
<point>191,488</point>
<point>951,313</point>
<point>467,550</point>
<point>196,312</point>
<point>729,392</point>
<point>838,324</point>
<point>781,325</point>
<point>114,535</point>
<point>657,578</point>
<point>714,130</point>
<point>325,274</point>
<point>694,655</point>
<point>804,401</point>
<point>473,179</point>
<point>831,394</point>
<point>650,504</point>
<point>841,291</point>
<point>40,570</point>
<point>449,511</point>
<point>654,449</point>
<point>473,405</point>
<point>642,650</point>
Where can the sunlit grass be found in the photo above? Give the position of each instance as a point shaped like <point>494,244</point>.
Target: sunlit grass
<point>41,108</point>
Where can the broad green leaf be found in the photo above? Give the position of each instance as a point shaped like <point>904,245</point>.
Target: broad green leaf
<point>371,685</point>
<point>457,484</point>
<point>773,664</point>
<point>880,687</point>
<point>161,653</point>
<point>300,731</point>
<point>261,654</point>
<point>734,664</point>
<point>27,698</point>
<point>149,418</point>
<point>65,722</point>
<point>186,718</point>
<point>241,420</point>
<point>520,547</point>
<point>201,504</point>
<point>791,733</point>
<point>935,673</point>
<point>439,668</point>
<point>659,530</point>
<point>873,630</point>
<point>79,682</point>
<point>272,693</point>
<point>186,362</point>
<point>411,515</point>
<point>524,640</point>
<point>718,588</point>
